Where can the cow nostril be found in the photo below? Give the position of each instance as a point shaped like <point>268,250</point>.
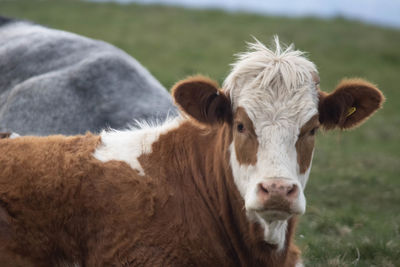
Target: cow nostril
<point>264,189</point>
<point>292,190</point>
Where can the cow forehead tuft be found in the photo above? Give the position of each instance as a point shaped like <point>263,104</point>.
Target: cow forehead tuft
<point>278,73</point>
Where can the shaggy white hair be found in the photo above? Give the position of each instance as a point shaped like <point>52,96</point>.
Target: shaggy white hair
<point>284,70</point>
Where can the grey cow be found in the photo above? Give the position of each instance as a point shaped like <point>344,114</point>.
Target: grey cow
<point>53,81</point>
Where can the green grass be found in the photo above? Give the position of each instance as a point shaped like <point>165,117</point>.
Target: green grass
<point>353,195</point>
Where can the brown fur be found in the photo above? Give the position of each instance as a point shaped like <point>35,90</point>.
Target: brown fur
<point>246,143</point>
<point>358,93</point>
<point>305,144</point>
<point>38,191</point>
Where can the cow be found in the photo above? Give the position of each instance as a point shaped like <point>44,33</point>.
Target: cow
<point>8,135</point>
<point>56,82</point>
<point>222,184</point>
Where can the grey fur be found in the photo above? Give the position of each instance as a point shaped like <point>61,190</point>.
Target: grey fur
<point>53,81</point>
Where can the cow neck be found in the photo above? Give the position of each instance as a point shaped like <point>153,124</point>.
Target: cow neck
<point>197,157</point>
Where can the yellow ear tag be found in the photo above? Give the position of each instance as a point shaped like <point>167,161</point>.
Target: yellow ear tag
<point>351,111</point>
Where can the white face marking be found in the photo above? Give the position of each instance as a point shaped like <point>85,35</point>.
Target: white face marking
<point>277,91</point>
<point>129,145</point>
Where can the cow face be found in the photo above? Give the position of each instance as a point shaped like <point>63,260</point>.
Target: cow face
<point>277,109</point>
<point>275,100</point>
<point>274,107</point>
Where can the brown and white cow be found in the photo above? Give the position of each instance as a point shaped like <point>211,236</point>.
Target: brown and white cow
<point>221,185</point>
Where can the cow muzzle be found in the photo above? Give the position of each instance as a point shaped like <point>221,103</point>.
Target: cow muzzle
<point>278,199</point>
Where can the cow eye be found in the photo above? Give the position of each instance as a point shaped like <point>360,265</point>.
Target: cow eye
<point>240,127</point>
<point>314,131</point>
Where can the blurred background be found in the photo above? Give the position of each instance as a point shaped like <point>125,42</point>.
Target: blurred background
<point>353,195</point>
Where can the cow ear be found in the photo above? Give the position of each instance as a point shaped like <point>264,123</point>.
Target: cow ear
<point>200,98</point>
<point>349,105</point>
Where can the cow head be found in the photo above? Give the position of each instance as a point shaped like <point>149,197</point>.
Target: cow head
<point>274,107</point>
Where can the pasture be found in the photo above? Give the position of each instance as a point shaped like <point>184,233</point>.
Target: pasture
<point>353,195</point>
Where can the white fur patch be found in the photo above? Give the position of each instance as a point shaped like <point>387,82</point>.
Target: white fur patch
<point>129,145</point>
<point>274,231</point>
<point>278,93</point>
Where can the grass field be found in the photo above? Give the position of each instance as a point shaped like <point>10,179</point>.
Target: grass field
<point>353,210</point>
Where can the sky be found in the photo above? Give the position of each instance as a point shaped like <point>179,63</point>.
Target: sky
<point>380,12</point>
